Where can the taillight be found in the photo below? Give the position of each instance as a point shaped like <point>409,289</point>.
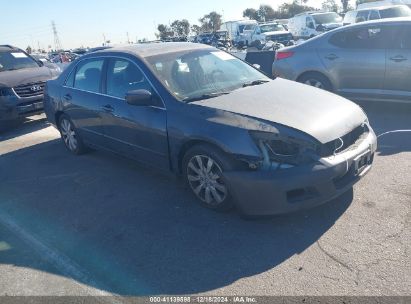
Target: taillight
<point>283,55</point>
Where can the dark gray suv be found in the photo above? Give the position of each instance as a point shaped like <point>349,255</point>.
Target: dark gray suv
<point>366,61</point>
<point>22,80</point>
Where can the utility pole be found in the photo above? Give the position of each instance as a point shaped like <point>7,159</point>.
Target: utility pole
<point>57,43</point>
<point>104,39</point>
<point>128,39</point>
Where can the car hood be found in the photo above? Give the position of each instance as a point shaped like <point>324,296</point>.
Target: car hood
<point>276,33</point>
<point>323,115</point>
<point>14,78</point>
<point>331,26</point>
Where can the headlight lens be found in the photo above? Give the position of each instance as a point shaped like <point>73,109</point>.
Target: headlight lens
<point>282,152</point>
<point>4,91</point>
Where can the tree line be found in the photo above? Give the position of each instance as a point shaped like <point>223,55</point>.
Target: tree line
<point>212,22</point>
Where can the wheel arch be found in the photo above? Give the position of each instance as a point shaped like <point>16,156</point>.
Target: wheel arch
<point>314,72</point>
<point>190,144</point>
<point>57,116</point>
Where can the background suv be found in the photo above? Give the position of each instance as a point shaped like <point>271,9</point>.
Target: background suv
<point>22,80</point>
<point>367,61</point>
<point>376,13</point>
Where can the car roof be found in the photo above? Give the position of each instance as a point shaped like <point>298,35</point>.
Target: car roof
<point>8,48</point>
<point>153,49</point>
<point>379,8</point>
<point>374,22</point>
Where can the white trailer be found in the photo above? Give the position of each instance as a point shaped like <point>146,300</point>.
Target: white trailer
<point>235,28</point>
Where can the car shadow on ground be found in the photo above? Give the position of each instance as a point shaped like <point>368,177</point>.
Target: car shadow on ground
<point>24,126</point>
<point>138,232</point>
<point>387,119</point>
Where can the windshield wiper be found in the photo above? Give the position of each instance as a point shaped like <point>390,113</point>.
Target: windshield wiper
<point>255,82</point>
<point>204,96</point>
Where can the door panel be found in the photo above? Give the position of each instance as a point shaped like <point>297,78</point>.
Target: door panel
<point>139,132</point>
<point>83,100</point>
<point>356,60</point>
<point>397,83</point>
<point>85,112</point>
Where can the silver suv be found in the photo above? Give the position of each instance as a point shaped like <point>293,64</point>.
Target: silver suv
<point>367,61</point>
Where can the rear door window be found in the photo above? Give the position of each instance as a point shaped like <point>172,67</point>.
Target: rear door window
<point>362,16</point>
<point>124,76</point>
<point>374,15</point>
<point>88,75</point>
<point>373,37</point>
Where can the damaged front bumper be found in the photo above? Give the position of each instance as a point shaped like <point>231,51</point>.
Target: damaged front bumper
<point>301,187</point>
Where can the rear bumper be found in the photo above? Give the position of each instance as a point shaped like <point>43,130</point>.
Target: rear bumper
<point>289,190</point>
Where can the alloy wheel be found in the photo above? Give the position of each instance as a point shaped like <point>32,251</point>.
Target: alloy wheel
<point>205,178</point>
<point>68,134</point>
<point>315,83</point>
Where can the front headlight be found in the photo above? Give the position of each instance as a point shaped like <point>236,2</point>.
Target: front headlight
<point>282,152</point>
<point>4,91</point>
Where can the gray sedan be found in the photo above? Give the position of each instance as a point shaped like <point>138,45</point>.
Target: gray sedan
<point>237,137</point>
<point>367,61</point>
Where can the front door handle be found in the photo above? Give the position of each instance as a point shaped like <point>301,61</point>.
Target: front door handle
<point>108,108</point>
<point>331,57</point>
<point>67,97</point>
<point>398,58</point>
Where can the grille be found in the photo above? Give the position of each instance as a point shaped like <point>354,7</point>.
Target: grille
<point>30,89</point>
<point>280,38</point>
<point>349,139</point>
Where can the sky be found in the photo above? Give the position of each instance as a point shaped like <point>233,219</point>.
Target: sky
<point>84,22</point>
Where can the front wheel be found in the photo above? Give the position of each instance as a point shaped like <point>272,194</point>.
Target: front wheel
<point>70,136</point>
<point>203,168</point>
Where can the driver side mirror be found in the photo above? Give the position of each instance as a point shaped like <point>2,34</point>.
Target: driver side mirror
<point>139,98</point>
<point>40,63</point>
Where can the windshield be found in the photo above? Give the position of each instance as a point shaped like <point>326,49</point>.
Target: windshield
<point>190,75</point>
<point>16,60</point>
<point>271,28</point>
<point>327,18</point>
<point>249,27</point>
<point>393,12</point>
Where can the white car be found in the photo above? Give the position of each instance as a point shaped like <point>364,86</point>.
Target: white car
<point>235,29</point>
<point>311,24</point>
<point>262,33</point>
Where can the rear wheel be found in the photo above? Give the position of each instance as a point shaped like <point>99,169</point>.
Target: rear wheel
<point>203,168</point>
<point>316,80</point>
<point>70,136</point>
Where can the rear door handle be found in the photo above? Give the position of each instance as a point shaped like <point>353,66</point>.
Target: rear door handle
<point>398,58</point>
<point>331,57</point>
<point>108,108</point>
<point>67,97</point>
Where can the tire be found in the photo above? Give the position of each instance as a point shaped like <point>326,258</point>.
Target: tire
<point>202,167</point>
<point>316,80</point>
<point>70,137</point>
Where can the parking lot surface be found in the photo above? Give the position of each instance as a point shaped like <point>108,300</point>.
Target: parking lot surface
<point>99,224</point>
